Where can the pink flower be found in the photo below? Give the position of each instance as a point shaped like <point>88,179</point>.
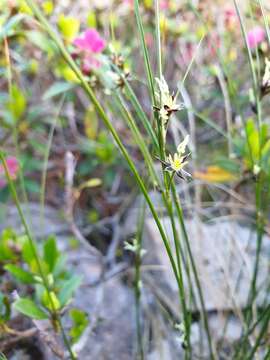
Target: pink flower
<point>149,39</point>
<point>230,18</point>
<point>255,36</point>
<point>128,2</point>
<point>13,168</point>
<point>164,4</point>
<point>90,43</point>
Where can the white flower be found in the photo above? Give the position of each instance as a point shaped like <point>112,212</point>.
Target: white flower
<point>181,149</point>
<point>134,247</point>
<point>256,169</point>
<point>164,115</point>
<point>176,163</point>
<point>266,76</point>
<point>167,103</point>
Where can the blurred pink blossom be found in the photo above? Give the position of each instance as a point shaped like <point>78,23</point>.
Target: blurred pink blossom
<point>255,36</point>
<point>149,39</point>
<point>90,43</point>
<point>129,2</point>
<point>13,168</point>
<point>164,4</point>
<point>230,17</point>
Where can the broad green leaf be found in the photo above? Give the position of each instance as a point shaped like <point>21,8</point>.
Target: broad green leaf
<point>67,289</point>
<point>230,165</point>
<point>17,103</point>
<point>32,186</point>
<point>29,308</point>
<point>266,148</point>
<point>50,301</point>
<point>250,127</point>
<point>50,252</point>
<point>41,41</point>
<point>5,308</point>
<point>27,251</point>
<point>57,89</point>
<point>254,143</point>
<point>8,28</point>
<point>80,322</point>
<point>6,253</point>
<point>22,275</point>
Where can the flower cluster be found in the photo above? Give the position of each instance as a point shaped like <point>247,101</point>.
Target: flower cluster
<point>134,247</point>
<point>265,86</point>
<point>167,103</point>
<point>13,168</point>
<point>255,36</point>
<point>176,163</point>
<point>89,44</point>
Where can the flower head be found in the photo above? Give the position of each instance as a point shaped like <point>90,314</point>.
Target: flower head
<point>176,163</point>
<point>90,43</point>
<point>167,104</point>
<point>13,168</point>
<point>266,76</point>
<point>255,36</point>
<point>164,4</point>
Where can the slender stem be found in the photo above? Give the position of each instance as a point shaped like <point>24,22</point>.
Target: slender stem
<point>45,163</point>
<point>181,279</point>
<point>158,41</point>
<point>15,121</point>
<point>259,338</point>
<point>137,136</point>
<point>194,269</point>
<point>138,261</point>
<point>150,78</point>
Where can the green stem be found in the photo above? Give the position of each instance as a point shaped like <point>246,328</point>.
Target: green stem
<point>45,164</point>
<point>138,261</point>
<point>194,269</point>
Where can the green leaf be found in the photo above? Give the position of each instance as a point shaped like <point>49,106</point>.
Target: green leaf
<point>50,301</point>
<point>57,89</point>
<point>20,274</point>
<point>32,186</point>
<point>80,322</point>
<point>230,165</point>
<point>8,28</point>
<point>17,103</point>
<point>51,253</point>
<point>68,288</point>
<point>29,308</point>
<point>27,252</point>
<point>41,41</point>
<point>6,253</point>
<point>5,308</point>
